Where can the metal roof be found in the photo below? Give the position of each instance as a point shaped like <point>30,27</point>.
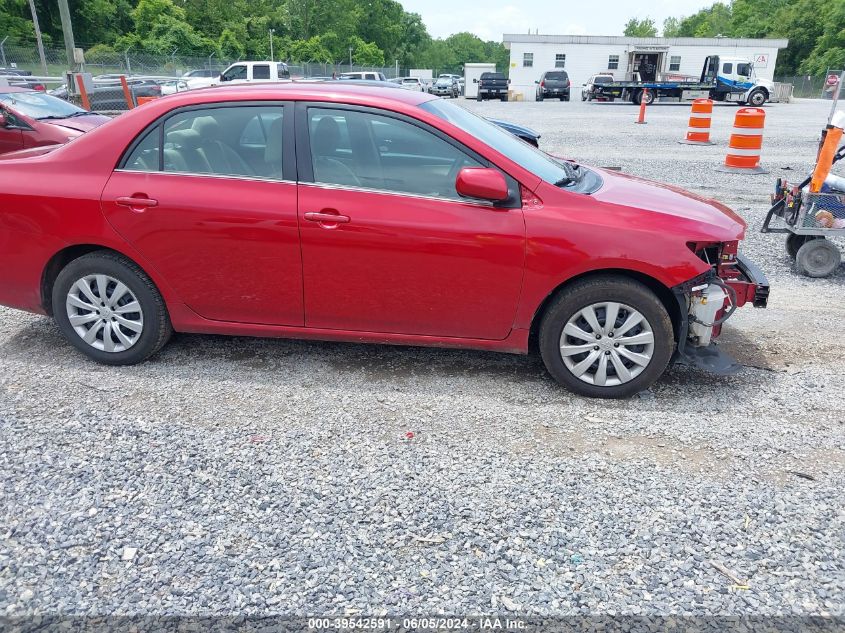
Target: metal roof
<point>523,38</point>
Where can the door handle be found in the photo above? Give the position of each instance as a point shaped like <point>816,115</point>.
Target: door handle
<point>141,202</point>
<point>324,217</point>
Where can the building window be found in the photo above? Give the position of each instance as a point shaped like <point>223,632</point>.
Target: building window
<point>675,62</point>
<point>560,60</point>
<point>528,60</point>
<point>613,62</point>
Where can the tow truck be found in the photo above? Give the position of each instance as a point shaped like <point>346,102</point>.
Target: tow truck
<point>722,79</point>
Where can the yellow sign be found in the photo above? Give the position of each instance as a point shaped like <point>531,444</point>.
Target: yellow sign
<point>513,64</point>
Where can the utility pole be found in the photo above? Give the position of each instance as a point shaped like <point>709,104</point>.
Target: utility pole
<point>67,31</point>
<point>3,50</point>
<point>272,59</point>
<point>350,58</point>
<point>38,37</point>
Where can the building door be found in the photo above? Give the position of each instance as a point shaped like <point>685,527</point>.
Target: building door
<point>646,64</point>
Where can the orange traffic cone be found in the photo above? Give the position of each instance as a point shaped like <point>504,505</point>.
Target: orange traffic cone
<point>698,132</point>
<point>746,143</point>
<point>643,98</point>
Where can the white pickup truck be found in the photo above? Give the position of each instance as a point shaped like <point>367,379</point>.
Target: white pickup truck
<point>244,72</point>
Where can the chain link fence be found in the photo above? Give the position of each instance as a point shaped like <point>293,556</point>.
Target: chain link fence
<point>105,62</point>
<point>811,86</point>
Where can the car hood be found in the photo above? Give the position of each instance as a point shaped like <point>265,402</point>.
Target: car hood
<point>639,193</point>
<point>30,152</point>
<point>82,123</point>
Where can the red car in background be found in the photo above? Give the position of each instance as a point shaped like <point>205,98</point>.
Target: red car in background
<point>30,118</point>
<point>349,213</point>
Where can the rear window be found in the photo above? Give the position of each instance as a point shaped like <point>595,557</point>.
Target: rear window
<point>558,75</point>
<point>603,79</point>
<point>492,76</point>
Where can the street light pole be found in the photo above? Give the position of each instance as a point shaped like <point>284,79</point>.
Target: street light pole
<point>350,58</point>
<point>272,59</point>
<point>3,50</point>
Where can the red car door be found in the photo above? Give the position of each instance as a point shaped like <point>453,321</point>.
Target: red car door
<point>387,243</point>
<point>11,136</point>
<point>214,211</point>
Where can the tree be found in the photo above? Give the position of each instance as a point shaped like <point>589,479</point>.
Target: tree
<point>672,27</point>
<point>640,28</point>
<point>366,53</point>
<point>229,46</point>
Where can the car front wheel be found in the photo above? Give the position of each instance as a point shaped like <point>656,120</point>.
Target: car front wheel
<point>110,310</point>
<point>606,337</point>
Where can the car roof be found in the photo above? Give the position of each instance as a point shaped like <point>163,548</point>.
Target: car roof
<point>8,89</point>
<point>302,91</point>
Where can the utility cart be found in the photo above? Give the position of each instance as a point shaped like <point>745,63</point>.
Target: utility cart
<point>810,219</point>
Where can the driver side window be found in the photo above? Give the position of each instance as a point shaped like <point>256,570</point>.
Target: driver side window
<point>362,149</point>
<point>236,72</point>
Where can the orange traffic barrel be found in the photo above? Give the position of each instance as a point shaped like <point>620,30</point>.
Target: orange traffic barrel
<point>143,100</point>
<point>746,143</point>
<point>698,131</point>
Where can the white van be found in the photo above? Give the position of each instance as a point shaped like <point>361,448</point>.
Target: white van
<point>243,72</point>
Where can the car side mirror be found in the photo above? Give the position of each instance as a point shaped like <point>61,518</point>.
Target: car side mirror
<point>537,82</point>
<point>475,81</point>
<point>3,120</point>
<point>483,183</point>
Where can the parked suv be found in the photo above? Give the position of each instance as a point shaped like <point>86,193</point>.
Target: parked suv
<point>446,87</point>
<point>492,86</point>
<point>553,83</point>
<point>244,72</point>
<point>587,91</point>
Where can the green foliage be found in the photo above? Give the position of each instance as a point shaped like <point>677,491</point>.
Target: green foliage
<point>229,46</point>
<point>815,29</point>
<point>671,27</point>
<point>379,32</point>
<point>640,28</point>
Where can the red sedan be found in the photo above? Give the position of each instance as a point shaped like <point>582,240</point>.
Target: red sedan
<point>29,118</point>
<point>352,213</point>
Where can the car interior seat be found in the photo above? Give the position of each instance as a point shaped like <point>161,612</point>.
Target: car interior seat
<point>324,144</point>
<point>220,156</point>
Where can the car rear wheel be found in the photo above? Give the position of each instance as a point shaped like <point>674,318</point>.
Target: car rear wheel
<point>110,310</point>
<point>606,337</point>
<point>479,97</point>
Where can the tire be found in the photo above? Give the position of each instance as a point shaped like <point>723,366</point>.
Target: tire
<point>151,317</point>
<point>757,97</point>
<point>504,97</point>
<point>540,97</point>
<point>794,242</point>
<point>583,97</point>
<point>642,95</point>
<point>630,296</point>
<point>818,258</point>
<point>479,97</point>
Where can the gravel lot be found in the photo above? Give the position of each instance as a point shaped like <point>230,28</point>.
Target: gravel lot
<point>276,477</point>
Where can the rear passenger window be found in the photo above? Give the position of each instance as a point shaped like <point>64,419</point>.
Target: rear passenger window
<point>145,156</point>
<point>261,71</point>
<point>244,141</point>
<point>727,68</point>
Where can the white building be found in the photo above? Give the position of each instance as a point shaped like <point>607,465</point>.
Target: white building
<point>651,57</point>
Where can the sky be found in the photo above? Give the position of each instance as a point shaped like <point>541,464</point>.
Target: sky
<point>489,19</point>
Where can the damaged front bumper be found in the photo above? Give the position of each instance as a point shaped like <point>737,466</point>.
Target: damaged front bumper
<point>706,302</point>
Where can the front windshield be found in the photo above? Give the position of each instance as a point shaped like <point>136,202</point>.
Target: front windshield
<point>520,152</point>
<point>38,105</point>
